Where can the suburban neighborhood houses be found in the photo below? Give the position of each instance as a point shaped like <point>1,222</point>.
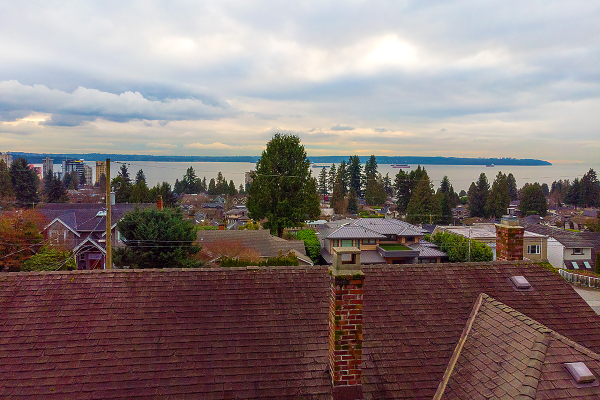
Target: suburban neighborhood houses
<point>395,292</point>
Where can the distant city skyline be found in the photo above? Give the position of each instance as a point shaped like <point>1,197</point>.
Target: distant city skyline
<point>406,78</point>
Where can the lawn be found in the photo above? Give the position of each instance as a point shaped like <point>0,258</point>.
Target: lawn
<point>394,247</point>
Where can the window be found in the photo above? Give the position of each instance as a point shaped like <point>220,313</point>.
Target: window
<point>369,241</point>
<point>346,242</point>
<point>577,250</point>
<point>533,249</point>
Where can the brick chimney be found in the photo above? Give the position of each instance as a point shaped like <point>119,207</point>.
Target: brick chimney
<point>509,239</point>
<point>345,324</point>
<point>159,202</point>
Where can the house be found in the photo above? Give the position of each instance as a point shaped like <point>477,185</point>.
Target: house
<point>466,331</point>
<point>81,228</point>
<point>238,215</point>
<point>535,245</point>
<point>261,241</point>
<point>566,249</point>
<point>381,241</point>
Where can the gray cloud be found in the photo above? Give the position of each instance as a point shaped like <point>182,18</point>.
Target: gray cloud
<point>505,69</point>
<point>339,127</point>
<point>72,109</point>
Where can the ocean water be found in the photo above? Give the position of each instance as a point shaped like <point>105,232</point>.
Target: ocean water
<point>460,176</point>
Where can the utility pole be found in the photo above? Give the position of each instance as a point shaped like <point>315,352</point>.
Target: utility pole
<point>469,244</point>
<point>108,218</point>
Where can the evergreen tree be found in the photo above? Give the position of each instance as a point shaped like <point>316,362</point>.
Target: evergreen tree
<point>140,193</point>
<point>124,173</point>
<point>220,184</point>
<point>533,201</point>
<point>290,197</point>
<point>402,186</point>
<point>589,191</point>
<point>422,208</point>
<point>212,187</point>
<point>477,196</point>
<point>352,202</point>
<point>512,187</point>
<point>232,191</point>
<point>337,197</point>
<point>354,174</point>
<point>204,185</point>
<point>178,187</point>
<point>573,193</point>
<point>6,189</point>
<point>343,171</point>
<point>121,188</point>
<point>371,167</point>
<point>375,193</point>
<point>190,182</point>
<point>102,182</point>
<point>24,182</point>
<point>387,184</point>
<point>331,178</point>
<point>241,189</point>
<point>498,199</point>
<point>140,177</point>
<point>445,185</point>
<point>445,204</point>
<point>74,181</point>
<point>176,238</point>
<point>54,191</point>
<point>323,182</point>
<point>545,189</point>
<point>164,190</point>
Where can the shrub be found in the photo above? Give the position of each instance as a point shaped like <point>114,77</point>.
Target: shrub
<point>457,248</point>
<point>311,243</point>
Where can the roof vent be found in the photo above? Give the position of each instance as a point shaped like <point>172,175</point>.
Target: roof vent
<point>520,282</point>
<point>580,372</point>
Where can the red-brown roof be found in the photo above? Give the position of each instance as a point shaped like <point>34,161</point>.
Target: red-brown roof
<point>505,354</point>
<point>263,333</point>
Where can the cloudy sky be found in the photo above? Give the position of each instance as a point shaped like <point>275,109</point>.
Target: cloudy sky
<point>450,78</point>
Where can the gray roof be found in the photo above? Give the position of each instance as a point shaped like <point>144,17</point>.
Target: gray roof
<point>82,217</point>
<point>566,238</point>
<point>427,249</point>
<point>370,228</point>
<point>352,232</point>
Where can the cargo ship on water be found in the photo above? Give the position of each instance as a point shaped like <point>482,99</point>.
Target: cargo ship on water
<point>320,166</point>
<point>400,166</point>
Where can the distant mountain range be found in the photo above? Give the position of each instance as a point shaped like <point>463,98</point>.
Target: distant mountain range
<point>36,158</point>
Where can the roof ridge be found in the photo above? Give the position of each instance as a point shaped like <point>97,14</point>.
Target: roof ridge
<point>459,346</point>
<point>534,366</point>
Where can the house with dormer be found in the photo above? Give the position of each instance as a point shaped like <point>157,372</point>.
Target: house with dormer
<point>81,228</point>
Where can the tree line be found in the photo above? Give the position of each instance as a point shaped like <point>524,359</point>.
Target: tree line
<point>584,192</point>
<point>192,184</point>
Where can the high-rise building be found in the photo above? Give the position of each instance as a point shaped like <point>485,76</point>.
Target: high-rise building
<point>88,174</point>
<point>70,165</point>
<point>100,169</point>
<point>7,158</point>
<point>47,166</point>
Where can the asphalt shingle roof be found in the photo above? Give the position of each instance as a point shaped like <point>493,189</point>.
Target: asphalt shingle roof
<point>252,333</point>
<point>260,240</point>
<point>509,355</point>
<point>566,238</point>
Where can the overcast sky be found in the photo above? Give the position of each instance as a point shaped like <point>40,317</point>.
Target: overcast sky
<point>450,78</point>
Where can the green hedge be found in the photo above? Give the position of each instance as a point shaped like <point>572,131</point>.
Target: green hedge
<point>457,247</point>
<point>311,243</point>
